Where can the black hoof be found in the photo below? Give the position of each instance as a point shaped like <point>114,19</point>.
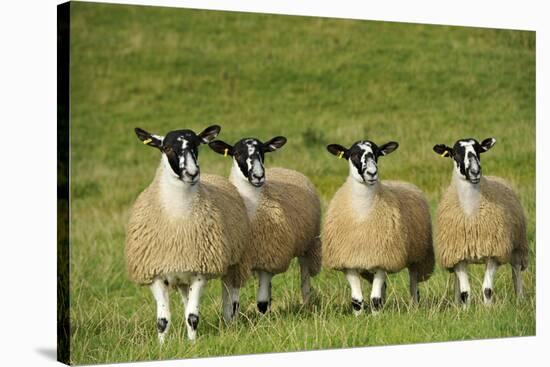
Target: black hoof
<point>235,308</point>
<point>417,295</point>
<point>356,304</point>
<point>162,324</point>
<point>464,297</point>
<point>488,293</point>
<point>193,321</point>
<point>262,306</point>
<point>376,303</point>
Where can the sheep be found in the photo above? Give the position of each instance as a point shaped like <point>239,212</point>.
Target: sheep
<point>284,212</point>
<point>479,220</point>
<point>373,228</point>
<point>185,229</point>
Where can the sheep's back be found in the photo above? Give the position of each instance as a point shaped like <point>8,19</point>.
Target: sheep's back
<point>496,229</point>
<point>209,240</point>
<point>286,222</point>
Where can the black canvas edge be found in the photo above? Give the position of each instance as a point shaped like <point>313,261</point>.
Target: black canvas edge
<point>63,195</point>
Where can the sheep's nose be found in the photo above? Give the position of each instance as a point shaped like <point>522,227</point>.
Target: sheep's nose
<point>192,175</point>
<point>371,174</point>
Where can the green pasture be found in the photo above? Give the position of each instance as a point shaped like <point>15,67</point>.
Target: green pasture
<point>316,81</point>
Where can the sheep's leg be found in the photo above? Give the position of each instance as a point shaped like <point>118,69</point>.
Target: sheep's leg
<point>227,302</point>
<point>457,288</point>
<point>160,292</point>
<point>263,297</point>
<point>230,300</point>
<point>235,295</point>
<point>413,285</point>
<point>490,271</point>
<point>461,270</point>
<point>305,279</point>
<point>378,290</point>
<point>518,283</point>
<point>354,281</point>
<point>196,286</point>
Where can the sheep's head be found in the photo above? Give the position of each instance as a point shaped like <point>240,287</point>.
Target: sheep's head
<point>248,156</point>
<point>466,155</point>
<point>180,150</point>
<point>362,158</point>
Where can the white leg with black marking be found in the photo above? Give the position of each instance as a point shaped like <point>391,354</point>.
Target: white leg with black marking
<point>518,282</point>
<point>457,288</point>
<point>305,279</point>
<point>230,300</point>
<point>160,292</point>
<point>413,285</point>
<point>264,291</point>
<point>196,287</point>
<point>227,301</point>
<point>490,271</point>
<point>354,280</point>
<point>461,271</point>
<point>378,290</point>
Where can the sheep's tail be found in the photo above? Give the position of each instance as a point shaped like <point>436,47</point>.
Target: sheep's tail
<point>237,275</point>
<point>425,267</point>
<point>313,257</point>
<point>520,257</point>
<point>520,254</point>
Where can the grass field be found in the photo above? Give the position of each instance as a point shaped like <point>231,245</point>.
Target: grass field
<point>316,81</point>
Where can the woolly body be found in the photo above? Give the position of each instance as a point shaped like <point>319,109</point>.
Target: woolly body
<point>208,240</point>
<point>396,233</point>
<point>286,223</point>
<point>497,229</point>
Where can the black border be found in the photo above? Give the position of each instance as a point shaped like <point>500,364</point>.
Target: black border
<point>63,121</point>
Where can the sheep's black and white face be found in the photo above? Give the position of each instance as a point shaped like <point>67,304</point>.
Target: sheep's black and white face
<point>248,156</point>
<point>362,158</point>
<point>466,157</point>
<point>180,150</point>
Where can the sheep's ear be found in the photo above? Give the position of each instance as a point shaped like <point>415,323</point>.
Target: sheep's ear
<point>149,139</point>
<point>221,147</point>
<point>387,148</point>
<point>443,150</point>
<point>487,144</point>
<point>274,144</point>
<point>338,150</point>
<point>209,134</point>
